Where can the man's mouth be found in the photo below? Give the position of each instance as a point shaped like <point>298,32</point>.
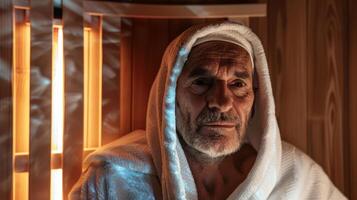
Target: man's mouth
<point>220,124</point>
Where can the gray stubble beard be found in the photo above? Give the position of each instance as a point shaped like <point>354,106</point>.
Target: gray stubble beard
<point>202,144</point>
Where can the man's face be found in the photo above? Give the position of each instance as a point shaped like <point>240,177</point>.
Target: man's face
<point>214,98</point>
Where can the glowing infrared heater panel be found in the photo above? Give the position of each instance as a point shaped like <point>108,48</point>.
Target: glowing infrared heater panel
<point>21,98</point>
<point>21,91</point>
<point>92,85</point>
<point>57,109</point>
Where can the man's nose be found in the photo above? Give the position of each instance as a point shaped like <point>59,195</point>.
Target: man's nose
<point>220,97</point>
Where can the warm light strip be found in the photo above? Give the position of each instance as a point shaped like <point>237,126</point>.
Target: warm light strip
<point>56,184</point>
<point>92,87</point>
<point>21,99</point>
<point>57,109</point>
<point>57,91</point>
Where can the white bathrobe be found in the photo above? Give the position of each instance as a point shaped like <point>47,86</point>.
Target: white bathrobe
<point>151,164</point>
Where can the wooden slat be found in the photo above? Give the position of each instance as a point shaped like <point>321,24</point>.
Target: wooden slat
<point>287,55</point>
<point>23,4</point>
<point>140,70</point>
<point>110,77</point>
<point>150,39</point>
<point>259,25</point>
<point>125,77</point>
<point>326,52</point>
<point>93,84</point>
<point>174,11</point>
<point>73,113</point>
<point>352,115</point>
<point>6,135</point>
<point>40,99</point>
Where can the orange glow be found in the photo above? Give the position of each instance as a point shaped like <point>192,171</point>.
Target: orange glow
<point>21,98</point>
<point>57,109</point>
<point>21,186</point>
<point>56,184</point>
<point>92,87</point>
<point>21,102</point>
<point>57,90</point>
<point>21,87</point>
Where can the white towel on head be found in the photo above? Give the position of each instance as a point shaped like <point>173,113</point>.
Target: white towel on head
<point>230,37</point>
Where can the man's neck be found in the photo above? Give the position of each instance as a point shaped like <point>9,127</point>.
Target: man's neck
<point>216,178</point>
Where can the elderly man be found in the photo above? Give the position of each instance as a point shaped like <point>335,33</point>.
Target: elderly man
<point>211,131</point>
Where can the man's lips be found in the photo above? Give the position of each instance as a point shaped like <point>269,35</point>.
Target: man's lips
<point>220,125</point>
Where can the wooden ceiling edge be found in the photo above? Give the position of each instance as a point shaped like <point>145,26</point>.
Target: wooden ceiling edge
<point>162,11</point>
<point>175,11</point>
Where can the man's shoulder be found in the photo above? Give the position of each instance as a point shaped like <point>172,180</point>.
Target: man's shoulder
<point>122,169</point>
<point>302,176</point>
<point>107,180</point>
<point>130,152</point>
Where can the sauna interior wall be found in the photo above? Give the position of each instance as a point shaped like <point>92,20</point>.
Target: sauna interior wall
<point>311,48</point>
<point>308,46</point>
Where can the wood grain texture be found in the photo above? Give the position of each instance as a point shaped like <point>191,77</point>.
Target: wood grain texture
<point>179,11</point>
<point>352,84</point>
<point>140,89</point>
<point>326,51</point>
<point>40,101</point>
<point>110,78</point>
<point>6,70</point>
<point>125,82</point>
<point>73,109</point>
<point>21,82</point>
<point>149,42</point>
<point>93,84</point>
<point>260,27</point>
<point>287,59</point>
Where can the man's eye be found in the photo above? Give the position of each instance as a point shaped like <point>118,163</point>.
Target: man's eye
<point>238,84</point>
<point>201,81</point>
<point>200,85</point>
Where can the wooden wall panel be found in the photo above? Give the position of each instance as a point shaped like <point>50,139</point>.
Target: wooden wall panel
<point>72,18</point>
<point>326,52</point>
<point>287,59</point>
<point>40,99</point>
<point>125,86</point>
<point>149,42</point>
<point>110,78</point>
<point>352,84</point>
<point>6,136</point>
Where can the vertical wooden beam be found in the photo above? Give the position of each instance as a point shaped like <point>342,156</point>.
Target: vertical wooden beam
<point>149,42</point>
<point>140,67</point>
<point>125,77</point>
<point>93,83</point>
<point>41,15</point>
<point>73,114</point>
<point>352,110</point>
<point>21,99</point>
<point>259,26</point>
<point>326,68</point>
<point>287,55</point>
<point>6,62</point>
<point>110,78</point>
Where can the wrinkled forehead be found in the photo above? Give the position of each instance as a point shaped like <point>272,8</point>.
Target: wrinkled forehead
<point>218,53</point>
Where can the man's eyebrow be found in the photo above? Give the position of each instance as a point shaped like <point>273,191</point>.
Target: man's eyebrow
<point>243,74</point>
<point>199,71</point>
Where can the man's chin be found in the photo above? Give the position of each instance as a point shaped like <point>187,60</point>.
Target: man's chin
<point>216,146</point>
